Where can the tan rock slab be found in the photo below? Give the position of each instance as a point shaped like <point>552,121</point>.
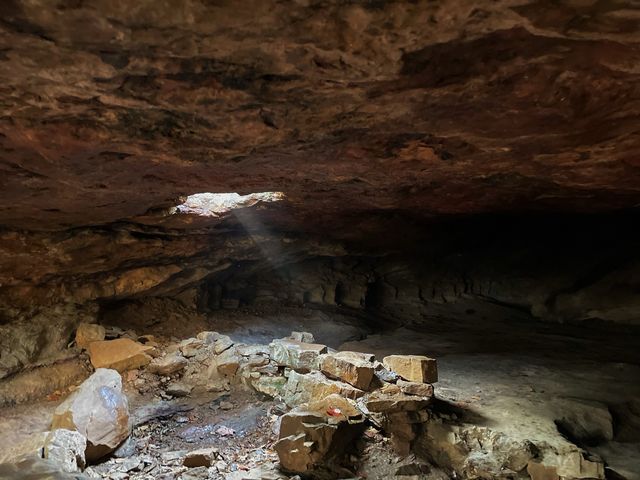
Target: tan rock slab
<point>89,332</point>
<point>415,388</point>
<point>414,368</point>
<point>204,457</point>
<point>384,403</point>
<point>121,354</point>
<point>352,367</point>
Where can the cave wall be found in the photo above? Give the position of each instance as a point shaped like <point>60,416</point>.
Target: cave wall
<point>579,269</point>
<point>567,269</point>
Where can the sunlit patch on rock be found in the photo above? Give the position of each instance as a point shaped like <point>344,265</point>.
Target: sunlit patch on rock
<point>215,204</point>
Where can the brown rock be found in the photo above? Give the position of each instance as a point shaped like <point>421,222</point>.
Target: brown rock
<point>170,363</point>
<point>204,457</point>
<point>414,388</point>
<point>121,354</point>
<point>538,471</point>
<point>352,367</point>
<point>384,402</point>
<point>313,434</point>
<point>415,368</point>
<point>89,332</point>
<point>99,411</point>
<point>179,389</point>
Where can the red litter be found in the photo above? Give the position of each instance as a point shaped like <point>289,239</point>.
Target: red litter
<point>334,412</point>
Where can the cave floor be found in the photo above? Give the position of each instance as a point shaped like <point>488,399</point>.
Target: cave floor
<point>519,378</point>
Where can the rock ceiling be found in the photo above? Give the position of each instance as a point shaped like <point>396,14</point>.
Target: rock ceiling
<point>368,115</point>
<point>115,109</point>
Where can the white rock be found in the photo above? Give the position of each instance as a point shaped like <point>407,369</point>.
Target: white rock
<point>99,411</point>
<point>66,448</point>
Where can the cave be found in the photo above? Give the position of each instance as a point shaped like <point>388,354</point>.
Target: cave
<point>319,239</point>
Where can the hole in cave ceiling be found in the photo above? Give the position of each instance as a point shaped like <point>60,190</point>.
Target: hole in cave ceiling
<point>215,204</point>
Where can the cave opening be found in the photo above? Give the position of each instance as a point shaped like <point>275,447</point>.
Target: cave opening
<point>436,276</point>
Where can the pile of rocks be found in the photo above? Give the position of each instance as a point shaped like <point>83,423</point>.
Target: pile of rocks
<point>333,396</point>
<point>330,399</point>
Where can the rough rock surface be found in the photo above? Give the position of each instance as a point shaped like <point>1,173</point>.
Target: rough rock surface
<point>121,354</point>
<point>66,448</point>
<point>99,411</point>
<point>297,355</point>
<point>302,388</point>
<point>372,118</point>
<point>414,368</point>
<point>352,367</point>
<point>168,364</point>
<point>87,333</point>
<point>310,435</point>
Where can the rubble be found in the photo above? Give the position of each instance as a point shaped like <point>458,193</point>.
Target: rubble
<point>333,396</point>
<point>99,411</point>
<point>219,342</point>
<point>121,354</point>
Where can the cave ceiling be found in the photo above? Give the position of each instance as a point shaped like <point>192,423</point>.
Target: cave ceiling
<point>113,111</point>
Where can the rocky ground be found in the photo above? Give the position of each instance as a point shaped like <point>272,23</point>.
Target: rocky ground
<point>536,403</point>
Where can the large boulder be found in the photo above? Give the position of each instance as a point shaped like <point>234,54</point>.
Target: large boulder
<point>297,355</point>
<point>66,448</point>
<point>352,367</point>
<point>121,354</point>
<point>414,368</point>
<point>99,411</point>
<point>315,435</point>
